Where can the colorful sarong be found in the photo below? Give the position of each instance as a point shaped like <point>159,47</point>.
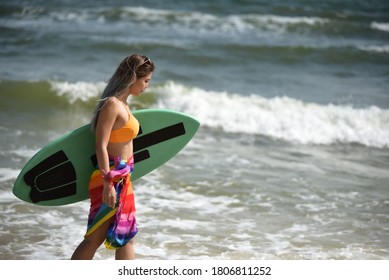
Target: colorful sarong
<point>123,226</point>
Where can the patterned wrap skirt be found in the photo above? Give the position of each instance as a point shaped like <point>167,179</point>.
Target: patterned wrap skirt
<point>123,226</point>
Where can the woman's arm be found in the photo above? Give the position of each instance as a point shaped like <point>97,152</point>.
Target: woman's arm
<point>106,121</point>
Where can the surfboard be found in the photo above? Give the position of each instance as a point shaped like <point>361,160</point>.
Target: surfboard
<point>58,174</point>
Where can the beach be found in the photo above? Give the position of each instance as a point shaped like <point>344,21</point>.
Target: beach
<point>292,156</point>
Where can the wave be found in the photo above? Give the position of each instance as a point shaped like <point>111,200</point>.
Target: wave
<point>30,95</point>
<point>113,28</point>
<point>226,23</point>
<point>182,20</point>
<point>280,117</point>
<point>143,14</point>
<point>376,49</point>
<point>382,26</point>
<point>78,91</point>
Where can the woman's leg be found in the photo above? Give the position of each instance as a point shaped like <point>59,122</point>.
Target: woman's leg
<point>88,247</point>
<point>126,252</point>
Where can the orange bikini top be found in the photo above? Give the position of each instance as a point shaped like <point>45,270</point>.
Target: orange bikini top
<point>127,132</point>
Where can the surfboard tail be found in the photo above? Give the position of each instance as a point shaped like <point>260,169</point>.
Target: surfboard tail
<point>53,178</point>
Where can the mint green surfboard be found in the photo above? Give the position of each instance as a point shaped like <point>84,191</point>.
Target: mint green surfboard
<point>59,173</point>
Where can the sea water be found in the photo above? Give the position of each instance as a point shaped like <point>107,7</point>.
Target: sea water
<point>290,162</point>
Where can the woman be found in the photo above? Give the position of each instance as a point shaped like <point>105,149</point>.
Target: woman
<point>112,212</point>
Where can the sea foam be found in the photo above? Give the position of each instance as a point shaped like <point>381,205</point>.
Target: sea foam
<point>77,91</point>
<point>279,117</point>
<point>382,26</point>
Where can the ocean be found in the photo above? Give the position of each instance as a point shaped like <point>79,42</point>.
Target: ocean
<point>290,162</point>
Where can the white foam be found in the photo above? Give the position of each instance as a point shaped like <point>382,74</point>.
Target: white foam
<point>280,117</point>
<point>376,49</point>
<point>23,152</point>
<point>382,26</point>
<point>274,22</point>
<point>6,196</point>
<point>78,91</point>
<point>7,174</point>
<point>177,19</point>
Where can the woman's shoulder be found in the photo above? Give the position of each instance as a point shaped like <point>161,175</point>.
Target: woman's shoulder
<point>111,105</point>
<point>112,102</point>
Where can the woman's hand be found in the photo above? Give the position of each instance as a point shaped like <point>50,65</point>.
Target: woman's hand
<point>109,194</point>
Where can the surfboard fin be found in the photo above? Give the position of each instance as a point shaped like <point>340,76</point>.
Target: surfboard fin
<point>53,178</point>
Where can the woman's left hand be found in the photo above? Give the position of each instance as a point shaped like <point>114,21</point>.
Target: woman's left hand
<point>109,194</point>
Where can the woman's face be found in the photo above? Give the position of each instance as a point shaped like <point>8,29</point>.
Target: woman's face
<point>140,85</point>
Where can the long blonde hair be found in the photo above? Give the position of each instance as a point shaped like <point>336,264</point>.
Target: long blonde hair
<point>131,68</point>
